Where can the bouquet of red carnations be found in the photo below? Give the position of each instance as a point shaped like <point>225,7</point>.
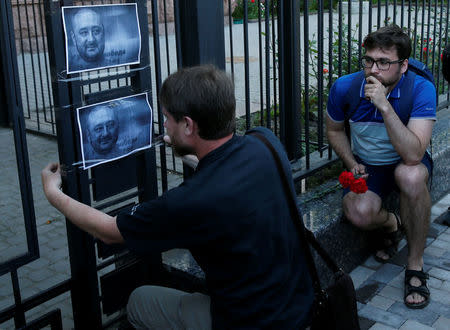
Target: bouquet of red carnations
<point>357,185</point>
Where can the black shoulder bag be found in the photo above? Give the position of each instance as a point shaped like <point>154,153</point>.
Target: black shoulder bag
<point>334,307</point>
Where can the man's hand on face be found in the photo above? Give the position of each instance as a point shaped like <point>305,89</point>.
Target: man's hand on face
<point>375,92</point>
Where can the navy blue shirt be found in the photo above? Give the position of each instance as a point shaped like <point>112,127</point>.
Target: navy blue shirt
<point>233,216</point>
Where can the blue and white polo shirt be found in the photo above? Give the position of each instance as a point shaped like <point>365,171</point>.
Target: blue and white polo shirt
<point>370,140</point>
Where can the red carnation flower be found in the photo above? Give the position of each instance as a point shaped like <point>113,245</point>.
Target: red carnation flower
<point>325,70</point>
<point>346,178</point>
<point>358,186</point>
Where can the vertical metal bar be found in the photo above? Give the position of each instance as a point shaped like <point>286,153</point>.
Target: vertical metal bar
<point>274,65</point>
<point>176,12</point>
<point>267,60</point>
<point>409,15</point>
<point>47,73</point>
<point>360,37</point>
<point>289,75</point>
<point>22,51</point>
<point>156,47</point>
<point>433,40</point>
<point>19,315</point>
<point>402,19</point>
<point>415,28</point>
<point>166,38</point>
<point>394,14</point>
<point>230,25</point>
<point>246,68</point>
<point>41,78</point>
<point>447,38</point>
<point>370,16</point>
<point>386,12</point>
<point>441,47</point>
<point>320,66</point>
<point>422,31</point>
<point>306,75</point>
<point>261,87</point>
<point>340,39</point>
<point>379,14</point>
<point>349,37</point>
<point>330,58</point>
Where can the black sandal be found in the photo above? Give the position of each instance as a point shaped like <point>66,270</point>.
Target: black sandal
<point>389,242</point>
<point>422,289</point>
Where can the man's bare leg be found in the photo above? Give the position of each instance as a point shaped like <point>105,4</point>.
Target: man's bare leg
<point>415,209</point>
<point>365,212</point>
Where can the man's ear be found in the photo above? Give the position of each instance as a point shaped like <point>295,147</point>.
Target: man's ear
<point>190,126</point>
<point>72,35</point>
<point>404,66</point>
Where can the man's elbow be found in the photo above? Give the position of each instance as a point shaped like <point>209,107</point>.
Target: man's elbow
<point>110,241</point>
<point>109,233</point>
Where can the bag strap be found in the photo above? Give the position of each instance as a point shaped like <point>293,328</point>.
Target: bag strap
<point>306,236</point>
<point>406,97</point>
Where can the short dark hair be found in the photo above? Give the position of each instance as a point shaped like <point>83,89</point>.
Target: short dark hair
<point>387,37</point>
<point>205,94</point>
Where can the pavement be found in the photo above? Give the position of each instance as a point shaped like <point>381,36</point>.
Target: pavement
<point>379,287</point>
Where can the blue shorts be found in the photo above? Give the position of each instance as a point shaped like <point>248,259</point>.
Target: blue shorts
<point>381,178</point>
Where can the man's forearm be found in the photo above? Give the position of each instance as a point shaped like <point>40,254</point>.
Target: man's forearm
<point>405,142</point>
<point>341,146</point>
<point>93,221</point>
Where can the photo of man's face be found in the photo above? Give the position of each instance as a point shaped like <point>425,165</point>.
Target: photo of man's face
<point>88,35</point>
<point>103,130</point>
<point>114,129</point>
<point>101,36</point>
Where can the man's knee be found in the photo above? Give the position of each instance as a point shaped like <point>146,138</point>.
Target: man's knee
<point>154,307</point>
<point>136,304</point>
<point>411,179</point>
<point>359,213</point>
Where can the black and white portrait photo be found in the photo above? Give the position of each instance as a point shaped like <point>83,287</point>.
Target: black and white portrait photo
<point>102,36</point>
<point>114,129</point>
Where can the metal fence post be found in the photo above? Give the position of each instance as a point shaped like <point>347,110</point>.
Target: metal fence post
<point>3,109</point>
<point>289,75</point>
<point>201,32</point>
<point>9,82</point>
<point>201,36</point>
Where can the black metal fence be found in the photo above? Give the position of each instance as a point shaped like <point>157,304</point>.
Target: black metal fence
<point>283,57</point>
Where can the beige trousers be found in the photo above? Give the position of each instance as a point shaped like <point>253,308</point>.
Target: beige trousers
<point>156,307</point>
